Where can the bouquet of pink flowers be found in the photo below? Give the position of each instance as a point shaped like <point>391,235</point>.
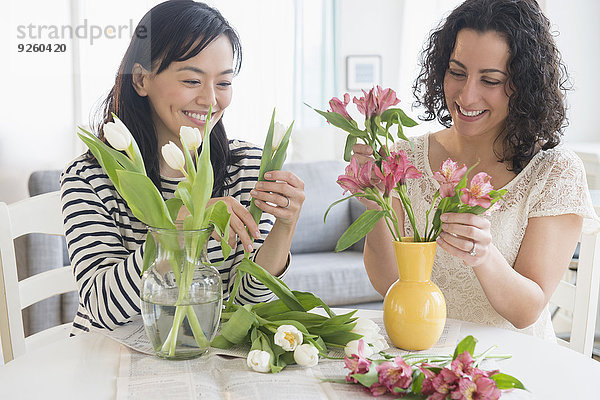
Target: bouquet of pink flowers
<point>430,376</point>
<point>392,169</point>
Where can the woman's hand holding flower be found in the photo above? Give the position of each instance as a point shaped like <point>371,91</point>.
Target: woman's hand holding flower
<point>466,236</point>
<point>281,195</point>
<point>241,223</point>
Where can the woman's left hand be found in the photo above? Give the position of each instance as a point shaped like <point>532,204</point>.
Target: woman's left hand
<point>285,192</point>
<point>466,236</point>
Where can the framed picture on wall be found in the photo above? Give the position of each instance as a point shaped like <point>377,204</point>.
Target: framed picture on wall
<point>363,72</point>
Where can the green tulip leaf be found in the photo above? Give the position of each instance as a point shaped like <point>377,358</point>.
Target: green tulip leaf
<point>174,205</point>
<point>201,189</point>
<point>273,283</point>
<point>340,339</point>
<point>144,199</point>
<point>239,325</point>
<point>220,342</point>
<point>359,228</point>
<point>149,252</point>
<point>281,152</point>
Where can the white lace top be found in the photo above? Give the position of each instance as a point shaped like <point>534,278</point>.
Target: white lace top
<point>552,183</point>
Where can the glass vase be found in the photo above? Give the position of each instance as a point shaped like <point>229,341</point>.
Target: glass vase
<point>181,294</point>
<point>414,309</point>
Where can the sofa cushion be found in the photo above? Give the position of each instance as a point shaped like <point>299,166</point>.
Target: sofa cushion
<point>321,189</point>
<point>337,278</point>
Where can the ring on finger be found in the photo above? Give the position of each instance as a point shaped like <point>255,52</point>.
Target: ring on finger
<point>473,251</point>
<point>288,202</point>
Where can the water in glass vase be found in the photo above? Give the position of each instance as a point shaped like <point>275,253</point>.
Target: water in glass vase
<point>161,325</point>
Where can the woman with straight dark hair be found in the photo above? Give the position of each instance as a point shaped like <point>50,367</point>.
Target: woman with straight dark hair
<point>181,60</point>
<point>492,75</point>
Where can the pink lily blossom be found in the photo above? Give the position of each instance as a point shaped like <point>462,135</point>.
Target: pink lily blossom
<point>396,170</point>
<point>357,364</point>
<point>339,106</point>
<point>357,178</point>
<point>396,374</point>
<point>478,193</point>
<point>372,103</point>
<point>448,176</point>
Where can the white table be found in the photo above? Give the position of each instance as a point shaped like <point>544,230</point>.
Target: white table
<point>86,366</point>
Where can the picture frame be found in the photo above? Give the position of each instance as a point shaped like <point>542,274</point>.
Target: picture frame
<point>362,71</point>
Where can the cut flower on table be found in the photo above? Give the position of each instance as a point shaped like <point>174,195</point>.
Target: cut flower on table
<point>429,376</point>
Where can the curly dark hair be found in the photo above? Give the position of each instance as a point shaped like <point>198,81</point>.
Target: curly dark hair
<point>537,75</point>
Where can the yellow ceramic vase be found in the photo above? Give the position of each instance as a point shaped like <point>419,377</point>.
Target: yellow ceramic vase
<point>414,309</point>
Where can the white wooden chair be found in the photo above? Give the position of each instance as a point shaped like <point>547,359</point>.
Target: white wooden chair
<point>38,214</point>
<point>581,299</point>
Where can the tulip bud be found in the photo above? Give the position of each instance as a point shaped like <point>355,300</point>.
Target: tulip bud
<point>173,156</point>
<point>279,131</point>
<point>306,355</point>
<point>117,134</point>
<point>259,361</point>
<point>352,348</point>
<point>288,337</point>
<point>191,137</point>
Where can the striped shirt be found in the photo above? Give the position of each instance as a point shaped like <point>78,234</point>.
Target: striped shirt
<point>105,240</point>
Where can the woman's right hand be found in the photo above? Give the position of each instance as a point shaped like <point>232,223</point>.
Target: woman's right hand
<point>363,153</point>
<point>240,224</point>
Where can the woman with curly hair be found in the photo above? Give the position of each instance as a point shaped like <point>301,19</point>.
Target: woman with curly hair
<point>492,75</point>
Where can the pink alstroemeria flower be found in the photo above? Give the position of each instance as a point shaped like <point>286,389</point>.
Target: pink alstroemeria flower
<point>396,374</point>
<point>448,176</point>
<point>339,106</point>
<point>463,364</point>
<point>367,105</point>
<point>377,389</point>
<point>438,386</point>
<point>357,178</point>
<point>477,194</point>
<point>481,389</point>
<point>357,364</point>
<point>396,170</point>
<point>372,103</point>
<point>385,99</point>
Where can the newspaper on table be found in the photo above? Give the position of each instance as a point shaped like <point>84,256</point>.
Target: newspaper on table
<point>223,374</point>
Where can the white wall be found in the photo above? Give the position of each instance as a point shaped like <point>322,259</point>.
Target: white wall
<point>39,114</point>
<point>579,42</point>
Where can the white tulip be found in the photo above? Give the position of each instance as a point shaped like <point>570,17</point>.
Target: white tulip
<point>173,156</point>
<point>306,355</point>
<point>278,133</point>
<point>379,344</point>
<point>288,337</point>
<point>352,348</point>
<point>117,134</point>
<point>259,361</point>
<point>366,327</point>
<point>191,137</point>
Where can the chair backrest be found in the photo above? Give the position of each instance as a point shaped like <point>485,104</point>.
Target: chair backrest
<point>38,214</point>
<point>581,299</point>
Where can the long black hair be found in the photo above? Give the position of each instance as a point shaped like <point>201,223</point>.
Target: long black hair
<point>175,30</point>
<point>537,75</point>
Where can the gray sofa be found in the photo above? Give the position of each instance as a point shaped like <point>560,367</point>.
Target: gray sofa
<point>338,278</point>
